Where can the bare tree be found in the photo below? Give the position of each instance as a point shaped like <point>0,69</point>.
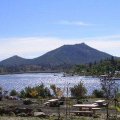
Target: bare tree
<point>110,88</point>
<point>1,93</point>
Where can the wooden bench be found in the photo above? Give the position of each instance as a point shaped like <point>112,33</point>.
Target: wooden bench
<point>85,109</point>
<point>94,109</point>
<point>46,103</point>
<point>88,113</point>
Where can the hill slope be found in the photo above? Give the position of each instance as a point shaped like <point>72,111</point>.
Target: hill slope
<point>71,54</point>
<point>64,55</point>
<point>15,61</point>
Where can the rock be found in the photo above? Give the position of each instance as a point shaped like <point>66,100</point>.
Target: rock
<point>39,114</point>
<point>12,114</point>
<point>21,110</point>
<point>39,110</point>
<point>27,102</point>
<point>22,115</point>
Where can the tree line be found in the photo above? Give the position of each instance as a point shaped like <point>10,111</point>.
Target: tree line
<point>110,65</point>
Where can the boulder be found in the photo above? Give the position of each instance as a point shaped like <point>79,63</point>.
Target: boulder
<point>39,114</point>
<point>22,114</point>
<point>27,102</point>
<point>12,114</point>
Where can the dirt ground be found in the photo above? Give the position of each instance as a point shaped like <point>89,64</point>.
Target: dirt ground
<point>52,112</point>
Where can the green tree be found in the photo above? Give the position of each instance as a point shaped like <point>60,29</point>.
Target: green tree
<point>78,91</point>
<point>0,88</point>
<point>53,87</point>
<point>1,93</point>
<point>98,93</point>
<point>13,92</point>
<point>22,94</point>
<point>33,92</point>
<point>56,91</point>
<point>43,91</point>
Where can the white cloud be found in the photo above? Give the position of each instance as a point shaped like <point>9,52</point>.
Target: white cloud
<point>109,44</point>
<point>35,46</point>
<point>76,23</point>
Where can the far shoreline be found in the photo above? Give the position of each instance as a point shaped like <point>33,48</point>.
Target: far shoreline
<point>114,78</point>
<point>30,72</point>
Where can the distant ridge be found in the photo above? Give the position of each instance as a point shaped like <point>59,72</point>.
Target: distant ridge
<point>15,61</point>
<point>64,55</point>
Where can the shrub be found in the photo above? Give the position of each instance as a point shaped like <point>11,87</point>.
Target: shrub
<point>78,91</point>
<point>0,88</point>
<point>56,91</point>
<point>43,91</point>
<point>98,93</point>
<point>13,93</point>
<point>27,102</point>
<point>0,93</point>
<point>34,92</point>
<point>22,94</point>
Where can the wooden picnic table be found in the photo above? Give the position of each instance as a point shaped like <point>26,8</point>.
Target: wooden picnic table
<point>100,103</point>
<point>89,106</point>
<point>86,109</point>
<point>53,100</point>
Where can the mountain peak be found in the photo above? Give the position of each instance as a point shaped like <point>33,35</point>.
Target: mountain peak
<point>79,44</point>
<point>13,61</point>
<point>71,55</point>
<point>15,56</point>
<point>64,55</point>
<point>82,43</point>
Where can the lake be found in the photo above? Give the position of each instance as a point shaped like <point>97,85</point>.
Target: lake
<point>20,81</point>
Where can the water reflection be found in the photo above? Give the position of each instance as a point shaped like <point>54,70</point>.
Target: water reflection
<point>20,81</point>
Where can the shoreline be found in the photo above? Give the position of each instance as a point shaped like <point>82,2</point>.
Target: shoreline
<point>30,72</point>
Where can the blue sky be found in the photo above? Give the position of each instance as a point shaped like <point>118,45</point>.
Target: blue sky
<point>30,28</point>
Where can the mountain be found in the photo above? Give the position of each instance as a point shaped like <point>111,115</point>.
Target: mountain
<point>64,55</point>
<point>15,61</point>
<point>71,55</point>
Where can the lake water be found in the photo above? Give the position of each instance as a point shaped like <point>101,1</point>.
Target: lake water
<point>20,81</point>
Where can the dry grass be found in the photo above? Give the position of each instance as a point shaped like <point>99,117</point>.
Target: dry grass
<point>55,118</point>
<point>51,118</point>
<point>21,118</point>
